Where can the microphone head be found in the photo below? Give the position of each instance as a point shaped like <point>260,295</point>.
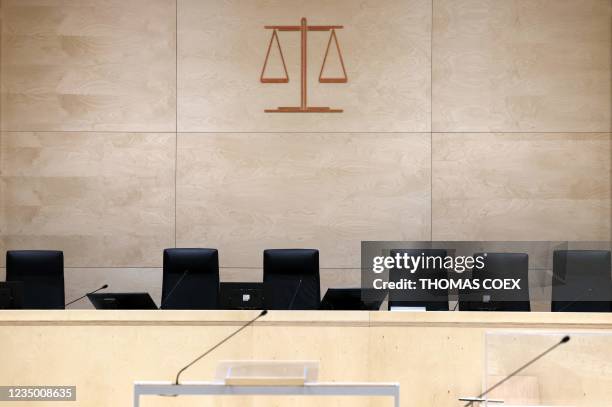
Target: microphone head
<point>565,339</point>
<point>105,286</point>
<point>264,312</point>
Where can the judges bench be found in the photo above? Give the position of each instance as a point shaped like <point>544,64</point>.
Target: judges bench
<point>435,356</point>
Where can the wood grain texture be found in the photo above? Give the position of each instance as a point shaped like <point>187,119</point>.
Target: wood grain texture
<point>521,186</point>
<point>522,65</point>
<point>346,360</point>
<point>436,357</point>
<point>222,47</point>
<point>2,186</point>
<point>89,65</point>
<point>244,193</point>
<point>105,199</point>
<point>512,66</point>
<point>579,369</point>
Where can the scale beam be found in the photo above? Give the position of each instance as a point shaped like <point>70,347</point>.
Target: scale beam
<point>299,27</point>
<point>307,109</point>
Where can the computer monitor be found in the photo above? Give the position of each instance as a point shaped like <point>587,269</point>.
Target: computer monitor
<point>352,299</point>
<point>11,295</point>
<point>123,301</point>
<point>242,295</point>
<point>499,266</point>
<point>582,281</point>
<point>419,299</point>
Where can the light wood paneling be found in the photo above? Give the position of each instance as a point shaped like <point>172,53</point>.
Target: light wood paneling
<point>2,210</point>
<point>222,47</point>
<point>343,358</point>
<point>448,363</point>
<point>521,186</point>
<point>89,65</point>
<point>108,200</point>
<point>436,356</point>
<point>233,275</point>
<point>522,65</point>
<point>105,199</point>
<point>2,187</point>
<point>244,193</point>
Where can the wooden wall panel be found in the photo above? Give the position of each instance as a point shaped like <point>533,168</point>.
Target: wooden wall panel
<point>436,357</point>
<point>3,219</point>
<point>222,47</point>
<point>461,363</point>
<point>2,192</point>
<point>106,199</point>
<point>342,358</point>
<point>89,65</point>
<point>522,65</point>
<point>244,193</point>
<point>531,66</point>
<point>521,186</point>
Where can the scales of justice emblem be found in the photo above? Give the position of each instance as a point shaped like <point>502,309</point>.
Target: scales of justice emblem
<point>303,29</point>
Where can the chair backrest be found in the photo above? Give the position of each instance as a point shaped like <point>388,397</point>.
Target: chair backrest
<point>432,300</point>
<point>582,281</point>
<point>499,266</point>
<point>291,279</point>
<point>42,274</point>
<point>191,279</point>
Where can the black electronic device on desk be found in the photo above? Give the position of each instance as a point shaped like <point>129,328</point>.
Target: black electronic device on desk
<point>349,299</point>
<point>123,301</point>
<point>238,296</point>
<point>11,295</point>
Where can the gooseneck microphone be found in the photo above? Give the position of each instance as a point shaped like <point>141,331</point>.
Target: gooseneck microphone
<point>180,280</point>
<point>178,375</point>
<point>297,290</point>
<point>576,299</point>
<point>480,398</point>
<point>105,286</point>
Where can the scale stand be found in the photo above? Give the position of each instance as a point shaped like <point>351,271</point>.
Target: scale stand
<point>303,28</point>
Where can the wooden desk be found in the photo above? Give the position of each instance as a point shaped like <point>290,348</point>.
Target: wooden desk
<point>436,357</point>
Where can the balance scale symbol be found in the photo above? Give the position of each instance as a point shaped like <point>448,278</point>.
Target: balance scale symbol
<point>304,28</point>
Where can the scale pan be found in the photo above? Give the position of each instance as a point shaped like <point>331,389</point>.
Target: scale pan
<point>333,80</point>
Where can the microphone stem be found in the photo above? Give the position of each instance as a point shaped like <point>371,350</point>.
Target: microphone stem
<point>83,296</point>
<point>165,300</point>
<point>511,375</point>
<point>295,294</point>
<point>575,300</point>
<point>178,375</point>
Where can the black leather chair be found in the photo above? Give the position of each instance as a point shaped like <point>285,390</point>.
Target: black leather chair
<point>291,279</point>
<point>582,281</point>
<point>499,266</point>
<point>432,300</point>
<point>191,279</point>
<point>42,274</point>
